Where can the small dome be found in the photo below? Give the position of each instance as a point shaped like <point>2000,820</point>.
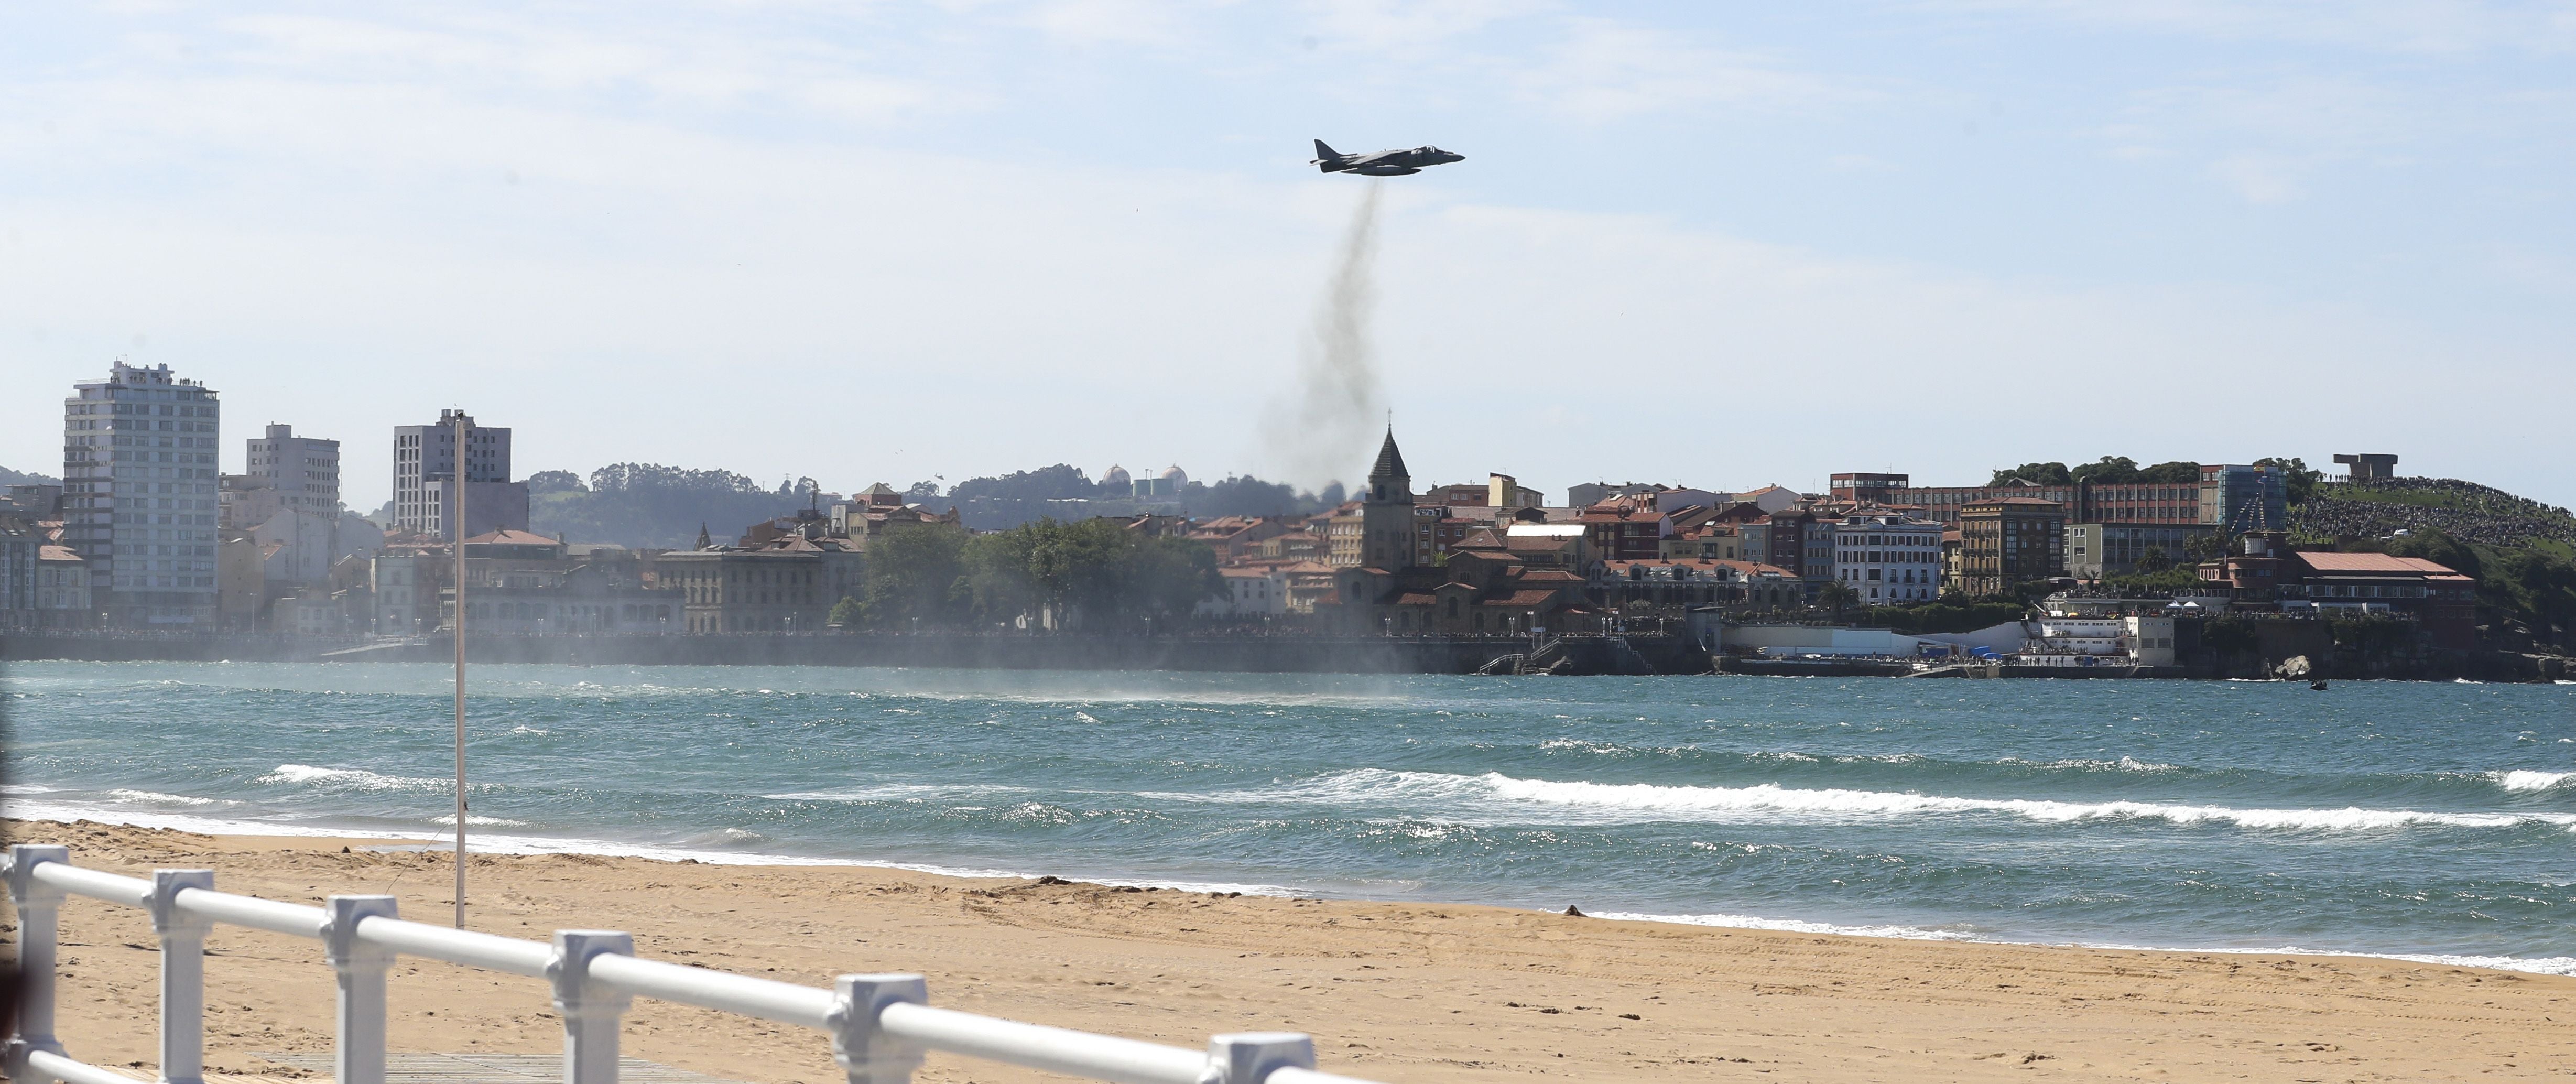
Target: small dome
<point>1116,475</point>
<point>1175,476</point>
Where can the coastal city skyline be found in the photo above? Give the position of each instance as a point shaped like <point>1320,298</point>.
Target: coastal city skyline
<point>1873,233</point>
<point>1333,542</point>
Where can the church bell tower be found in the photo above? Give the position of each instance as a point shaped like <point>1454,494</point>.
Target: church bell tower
<point>1386,511</point>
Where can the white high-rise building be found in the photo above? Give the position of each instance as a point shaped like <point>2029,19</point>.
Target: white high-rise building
<point>305,471</point>
<point>425,489</point>
<point>139,495</point>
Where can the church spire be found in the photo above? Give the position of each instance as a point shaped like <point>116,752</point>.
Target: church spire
<point>704,542</point>
<point>1390,463</point>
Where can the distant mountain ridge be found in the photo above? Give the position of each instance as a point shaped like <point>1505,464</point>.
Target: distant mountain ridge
<point>22,478</point>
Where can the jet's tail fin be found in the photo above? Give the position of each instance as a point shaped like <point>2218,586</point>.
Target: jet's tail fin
<point>1325,155</point>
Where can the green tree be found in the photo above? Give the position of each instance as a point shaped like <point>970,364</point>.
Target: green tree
<point>2108,470</point>
<point>2040,474</point>
<point>555,481</point>
<point>1837,595</point>
<point>912,577</point>
<point>1168,577</point>
<point>1111,575</point>
<point>2296,479</point>
<point>2205,547</point>
<point>845,613</point>
<point>2154,560</point>
<point>2175,473</point>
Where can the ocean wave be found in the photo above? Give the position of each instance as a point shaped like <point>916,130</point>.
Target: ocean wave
<point>899,792</point>
<point>696,849</point>
<point>475,819</point>
<point>2529,780</point>
<point>1498,793</point>
<point>157,798</point>
<point>2084,764</point>
<point>356,779</point>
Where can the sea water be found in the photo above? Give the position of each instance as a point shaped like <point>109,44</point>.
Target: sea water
<point>2412,819</point>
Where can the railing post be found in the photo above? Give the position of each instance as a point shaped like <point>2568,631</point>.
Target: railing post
<point>1250,1057</point>
<point>183,974</point>
<point>590,1016</point>
<point>39,909</point>
<point>359,1054</point>
<point>864,1050</point>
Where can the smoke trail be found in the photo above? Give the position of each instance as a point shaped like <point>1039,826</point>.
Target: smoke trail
<point>1330,421</point>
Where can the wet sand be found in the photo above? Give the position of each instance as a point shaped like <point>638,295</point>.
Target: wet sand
<point>1397,992</point>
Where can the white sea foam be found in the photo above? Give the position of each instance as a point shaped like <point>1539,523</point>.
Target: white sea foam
<point>2540,965</point>
<point>1791,925</point>
<point>158,798</point>
<point>1494,795</point>
<point>488,843</point>
<point>899,792</point>
<point>2528,780</point>
<point>356,779</point>
<point>515,844</point>
<point>472,819</point>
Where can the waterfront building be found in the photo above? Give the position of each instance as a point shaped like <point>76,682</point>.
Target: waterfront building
<point>62,589</point>
<point>2010,541</point>
<point>404,580</point>
<point>2225,495</point>
<point>1888,558</point>
<point>1251,591</point>
<point>139,495</point>
<point>21,543</point>
<point>2095,550</point>
<point>733,590</point>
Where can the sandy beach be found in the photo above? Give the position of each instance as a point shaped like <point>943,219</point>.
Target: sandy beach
<point>1394,991</point>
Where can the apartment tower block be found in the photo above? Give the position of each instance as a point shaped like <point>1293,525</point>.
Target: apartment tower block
<point>139,495</point>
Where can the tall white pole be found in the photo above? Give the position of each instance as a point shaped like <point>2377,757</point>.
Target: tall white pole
<point>458,540</point>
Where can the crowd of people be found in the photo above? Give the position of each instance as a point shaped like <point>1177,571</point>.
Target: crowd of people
<point>2466,511</point>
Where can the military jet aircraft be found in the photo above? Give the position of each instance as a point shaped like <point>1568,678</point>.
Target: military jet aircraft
<point>1383,163</point>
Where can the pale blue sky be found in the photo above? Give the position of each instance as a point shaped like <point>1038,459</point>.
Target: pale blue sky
<point>1727,245</point>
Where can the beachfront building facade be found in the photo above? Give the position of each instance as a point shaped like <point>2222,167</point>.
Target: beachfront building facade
<point>1888,558</point>
<point>2095,550</point>
<point>139,495</point>
<point>2010,541</point>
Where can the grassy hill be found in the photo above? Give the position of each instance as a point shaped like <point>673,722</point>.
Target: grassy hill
<point>2463,510</point>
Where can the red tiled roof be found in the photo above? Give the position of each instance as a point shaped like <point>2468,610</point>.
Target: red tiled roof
<point>1523,599</point>
<point>511,538</point>
<point>1549,575</point>
<point>2373,562</point>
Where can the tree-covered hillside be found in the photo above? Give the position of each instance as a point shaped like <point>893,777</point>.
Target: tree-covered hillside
<point>649,505</point>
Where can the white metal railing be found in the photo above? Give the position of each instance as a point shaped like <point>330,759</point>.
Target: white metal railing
<point>880,1025</point>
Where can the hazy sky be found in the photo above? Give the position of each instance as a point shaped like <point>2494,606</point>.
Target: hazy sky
<point>1726,245</point>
